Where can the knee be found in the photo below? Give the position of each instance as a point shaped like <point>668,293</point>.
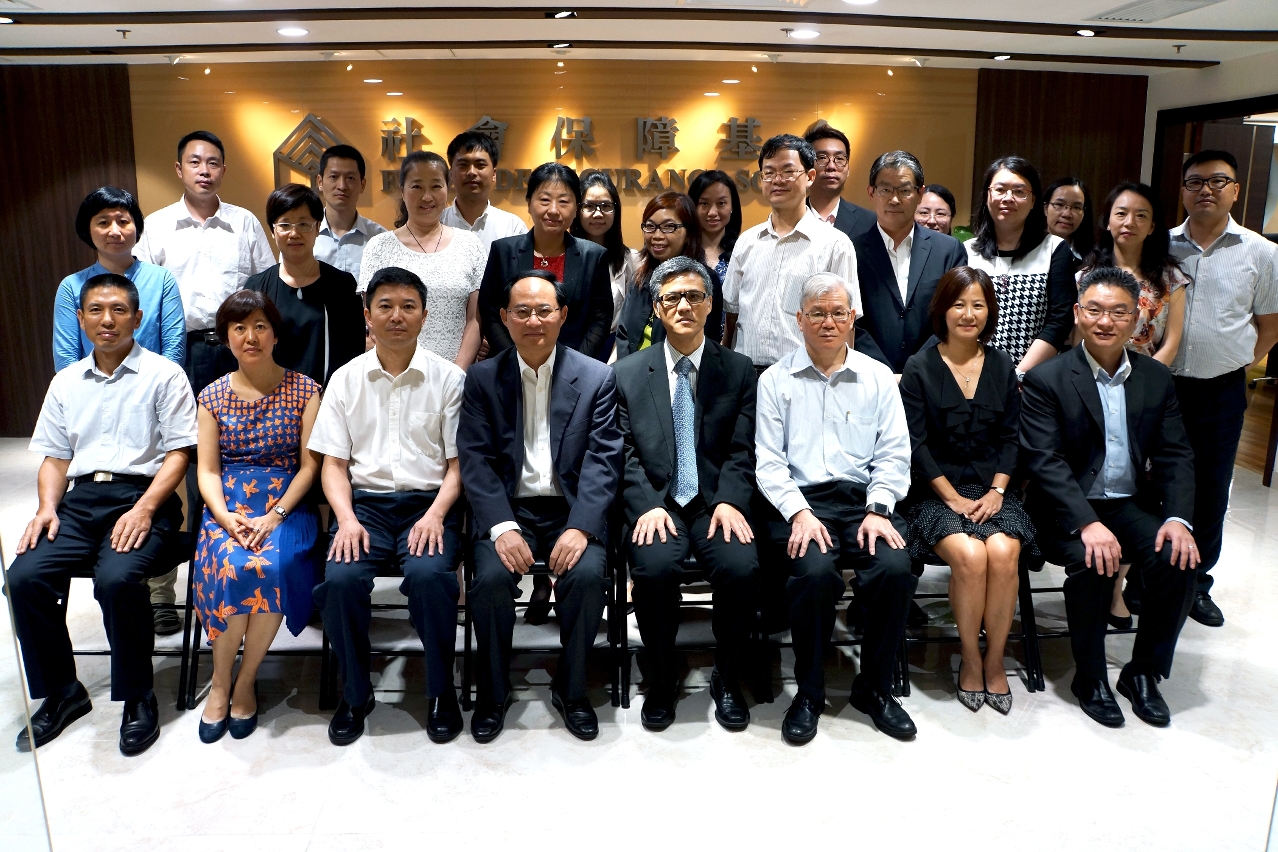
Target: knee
<point>739,573</point>
<point>1003,554</point>
<point>590,572</point>
<point>896,565</point>
<point>652,565</point>
<point>968,558</point>
<point>347,578</point>
<point>431,575</point>
<point>490,576</point>
<point>22,576</point>
<point>816,570</point>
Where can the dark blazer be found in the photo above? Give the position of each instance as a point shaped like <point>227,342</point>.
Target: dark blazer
<point>890,330</point>
<point>968,441</point>
<point>637,310</point>
<point>853,220</point>
<point>1063,439</point>
<point>585,444</point>
<point>587,286</point>
<point>724,428</point>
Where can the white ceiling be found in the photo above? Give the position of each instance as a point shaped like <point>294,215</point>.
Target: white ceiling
<point>847,39</point>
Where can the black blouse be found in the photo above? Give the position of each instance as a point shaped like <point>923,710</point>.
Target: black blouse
<point>329,302</point>
<point>967,441</point>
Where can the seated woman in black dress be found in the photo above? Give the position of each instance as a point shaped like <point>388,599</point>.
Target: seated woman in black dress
<point>963,406</point>
<point>322,317</point>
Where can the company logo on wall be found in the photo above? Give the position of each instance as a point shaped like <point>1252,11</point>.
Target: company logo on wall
<point>301,150</point>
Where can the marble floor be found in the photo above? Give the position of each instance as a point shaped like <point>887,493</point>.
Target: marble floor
<point>1045,777</point>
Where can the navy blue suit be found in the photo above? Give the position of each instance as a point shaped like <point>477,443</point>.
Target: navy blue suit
<point>891,329</point>
<point>853,220</point>
<point>586,454</point>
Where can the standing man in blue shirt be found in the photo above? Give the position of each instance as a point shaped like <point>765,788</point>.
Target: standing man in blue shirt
<point>343,233</point>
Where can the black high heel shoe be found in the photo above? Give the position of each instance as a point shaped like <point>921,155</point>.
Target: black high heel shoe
<point>1118,621</point>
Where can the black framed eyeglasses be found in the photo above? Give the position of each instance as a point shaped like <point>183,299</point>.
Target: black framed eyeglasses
<point>1215,182</point>
<point>671,300</point>
<point>664,227</point>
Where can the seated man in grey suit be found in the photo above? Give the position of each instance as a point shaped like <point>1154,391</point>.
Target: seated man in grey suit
<point>540,461</point>
<point>687,416</point>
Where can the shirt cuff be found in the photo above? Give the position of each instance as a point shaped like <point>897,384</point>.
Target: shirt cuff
<point>503,527</point>
<point>884,497</point>
<point>1187,524</point>
<point>791,505</point>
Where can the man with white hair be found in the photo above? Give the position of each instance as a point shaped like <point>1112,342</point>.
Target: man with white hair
<point>833,458</point>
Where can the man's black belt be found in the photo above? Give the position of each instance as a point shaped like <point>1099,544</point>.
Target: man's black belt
<point>107,476</point>
<point>207,335</point>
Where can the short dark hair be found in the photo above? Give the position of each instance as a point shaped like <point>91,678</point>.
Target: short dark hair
<point>542,274</point>
<point>106,198</point>
<point>111,279</point>
<point>950,287</point>
<point>944,194</point>
<point>673,268</point>
<point>553,173</point>
<point>732,230</point>
<point>473,140</point>
<point>1209,155</point>
<point>406,166</point>
<point>394,276</point>
<point>291,196</point>
<point>897,160</point>
<point>1034,230</point>
<point>1113,277</point>
<point>613,242</point>
<point>1084,237</point>
<point>789,142</point>
<point>342,152</point>
<point>821,129</point>
<point>200,136</point>
<point>242,304</point>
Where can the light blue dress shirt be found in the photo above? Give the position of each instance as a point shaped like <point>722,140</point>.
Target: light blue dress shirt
<point>347,251</point>
<point>163,328</point>
<point>1118,475</point>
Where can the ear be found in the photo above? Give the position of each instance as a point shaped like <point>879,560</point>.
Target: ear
<point>79,316</point>
<point>177,167</point>
<point>869,192</point>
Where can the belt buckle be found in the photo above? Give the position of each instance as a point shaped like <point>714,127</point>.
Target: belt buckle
<point>103,476</point>
<point>211,338</point>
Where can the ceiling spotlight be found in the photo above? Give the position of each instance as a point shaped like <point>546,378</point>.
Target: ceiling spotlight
<point>559,64</point>
<point>208,70</point>
<point>6,20</point>
<point>566,13</point>
<point>188,79</point>
<point>349,67</point>
<point>394,94</point>
<point>712,94</point>
<point>228,93</point>
<point>890,72</point>
<point>803,33</point>
<point>755,70</point>
<point>373,80</point>
<point>1087,33</point>
<point>559,45</point>
<point>292,32</point>
<point>1002,57</point>
<point>729,82</point>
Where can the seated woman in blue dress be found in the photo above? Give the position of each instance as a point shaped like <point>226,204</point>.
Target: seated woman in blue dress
<point>963,406</point>
<point>256,553</point>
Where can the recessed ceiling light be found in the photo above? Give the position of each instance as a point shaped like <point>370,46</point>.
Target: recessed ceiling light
<point>349,67</point>
<point>1003,57</point>
<point>292,32</point>
<point>755,70</point>
<point>712,94</point>
<point>394,94</point>
<point>208,70</point>
<point>373,80</point>
<point>801,33</point>
<point>188,79</point>
<point>228,93</point>
<point>6,20</point>
<point>295,110</point>
<point>1087,33</point>
<point>566,13</point>
<point>729,82</point>
<point>889,72</point>
<point>860,2</point>
<point>559,45</point>
<point>559,64</point>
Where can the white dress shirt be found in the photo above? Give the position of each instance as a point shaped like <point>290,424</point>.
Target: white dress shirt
<point>210,260</point>
<point>492,224</point>
<point>862,436</point>
<point>673,356</point>
<point>397,432</point>
<point>537,477</point>
<point>345,252</point>
<point>765,278</point>
<point>900,257</point>
<point>122,423</point>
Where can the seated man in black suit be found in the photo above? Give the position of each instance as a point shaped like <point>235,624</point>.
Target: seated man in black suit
<point>1113,479</point>
<point>687,417</point>
<point>898,264</point>
<point>540,460</point>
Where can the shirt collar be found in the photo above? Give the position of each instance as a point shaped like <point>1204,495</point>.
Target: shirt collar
<point>479,222</point>
<point>906,244</point>
<point>419,363</point>
<point>361,226</point>
<point>1120,375</point>
<point>98,269</point>
<point>188,218</point>
<point>1181,231</point>
<point>803,227</point>
<point>549,366</point>
<point>673,355</point>
<point>132,362</point>
<point>803,361</point>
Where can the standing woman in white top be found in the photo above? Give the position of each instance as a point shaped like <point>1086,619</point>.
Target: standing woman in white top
<point>449,261</point>
<point>1032,270</point>
<point>599,220</point>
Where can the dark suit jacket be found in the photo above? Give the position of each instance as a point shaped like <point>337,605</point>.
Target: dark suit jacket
<point>585,444</point>
<point>1063,440</point>
<point>890,330</point>
<point>853,220</point>
<point>637,310</point>
<point>587,286</point>
<point>724,428</point>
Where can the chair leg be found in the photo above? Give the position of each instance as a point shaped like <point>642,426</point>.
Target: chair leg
<point>193,667</point>
<point>1029,634</point>
<point>902,675</point>
<point>328,677</point>
<point>183,702</point>
<point>467,659</point>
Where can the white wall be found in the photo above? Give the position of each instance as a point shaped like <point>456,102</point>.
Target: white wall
<point>1248,77</point>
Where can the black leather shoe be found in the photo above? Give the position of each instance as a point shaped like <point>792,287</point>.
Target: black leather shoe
<point>489,720</point>
<point>917,617</point>
<point>53,717</point>
<point>800,723</point>
<point>1119,622</point>
<point>884,711</point>
<point>444,718</point>
<point>538,611</point>
<point>1097,701</point>
<point>579,716</point>
<point>730,709</point>
<point>348,722</point>
<point>658,711</point>
<point>165,620</point>
<point>1205,611</point>
<point>140,727</point>
<point>1142,691</point>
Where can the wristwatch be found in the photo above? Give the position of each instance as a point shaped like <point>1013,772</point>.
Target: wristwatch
<point>1001,491</point>
<point>281,511</point>
<point>878,509</point>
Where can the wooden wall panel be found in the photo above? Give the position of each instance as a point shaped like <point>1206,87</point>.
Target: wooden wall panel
<point>1090,126</point>
<point>68,129</point>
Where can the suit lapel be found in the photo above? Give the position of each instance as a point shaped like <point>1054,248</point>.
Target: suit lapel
<point>524,256</point>
<point>918,258</point>
<point>659,388</point>
<point>512,399</point>
<point>710,382</point>
<point>1134,391</point>
<point>572,265</point>
<point>1085,384</point>
<point>881,264</point>
<point>563,402</point>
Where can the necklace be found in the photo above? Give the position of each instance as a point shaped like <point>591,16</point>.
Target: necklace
<point>967,379</point>
<point>544,262</point>
<point>438,240</point>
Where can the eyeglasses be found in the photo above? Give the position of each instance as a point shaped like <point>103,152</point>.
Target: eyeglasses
<point>603,208</point>
<point>1061,207</point>
<point>664,227</point>
<point>786,176</point>
<point>298,227</point>
<point>819,317</point>
<point>839,160</point>
<point>1116,314</point>
<point>1019,193</point>
<point>905,193</point>
<point>670,301</point>
<point>523,313</point>
<point>1216,182</point>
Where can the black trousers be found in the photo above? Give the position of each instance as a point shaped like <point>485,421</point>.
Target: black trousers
<point>884,583</point>
<point>580,595</point>
<point>430,582</point>
<point>40,580</point>
<point>657,571</point>
<point>1165,599</point>
<point>1213,412</point>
